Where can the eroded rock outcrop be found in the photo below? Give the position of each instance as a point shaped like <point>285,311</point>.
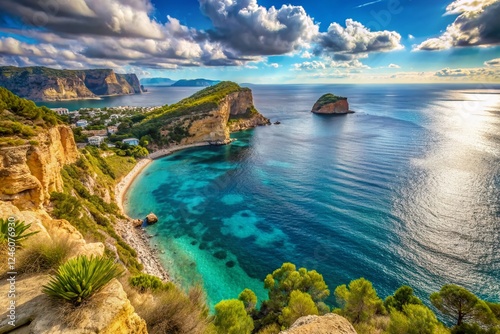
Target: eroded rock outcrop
<point>235,112</point>
<point>328,324</point>
<point>331,104</point>
<point>108,311</point>
<point>29,173</point>
<point>46,84</point>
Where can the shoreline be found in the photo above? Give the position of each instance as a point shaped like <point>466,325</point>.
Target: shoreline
<point>138,238</point>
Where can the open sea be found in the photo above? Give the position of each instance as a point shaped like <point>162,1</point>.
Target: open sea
<point>404,191</point>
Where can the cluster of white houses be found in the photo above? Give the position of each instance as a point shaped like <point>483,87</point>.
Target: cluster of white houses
<point>97,137</point>
<point>98,140</point>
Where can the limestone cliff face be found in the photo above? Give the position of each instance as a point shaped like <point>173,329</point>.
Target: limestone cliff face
<point>107,82</point>
<point>29,173</point>
<point>132,80</point>
<point>45,84</point>
<point>327,324</point>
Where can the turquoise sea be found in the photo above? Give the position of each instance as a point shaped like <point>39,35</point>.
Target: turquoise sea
<point>404,191</point>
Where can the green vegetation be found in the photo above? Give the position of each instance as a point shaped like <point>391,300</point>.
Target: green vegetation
<point>21,119</point>
<point>359,301</point>
<point>249,299</point>
<point>82,202</point>
<point>43,255</point>
<point>175,312</point>
<point>145,282</point>
<point>300,304</point>
<point>329,98</point>
<point>13,231</point>
<point>295,293</point>
<point>232,318</point>
<point>403,296</point>
<point>462,306</point>
<point>280,285</point>
<point>414,319</point>
<point>79,278</point>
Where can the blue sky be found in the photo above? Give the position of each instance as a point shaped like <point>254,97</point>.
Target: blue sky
<point>260,41</point>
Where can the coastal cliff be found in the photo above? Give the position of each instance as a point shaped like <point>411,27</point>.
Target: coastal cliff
<point>61,194</point>
<point>331,104</point>
<point>29,173</point>
<point>46,84</point>
<point>210,116</point>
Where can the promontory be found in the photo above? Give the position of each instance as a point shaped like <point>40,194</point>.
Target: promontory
<point>331,104</point>
<point>48,84</point>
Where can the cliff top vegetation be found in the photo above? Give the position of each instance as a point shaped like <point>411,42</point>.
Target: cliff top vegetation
<point>329,98</point>
<point>9,71</point>
<point>21,119</point>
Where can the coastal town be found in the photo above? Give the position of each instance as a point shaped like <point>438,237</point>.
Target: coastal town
<point>100,126</point>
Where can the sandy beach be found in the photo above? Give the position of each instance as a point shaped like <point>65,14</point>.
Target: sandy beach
<point>137,238</point>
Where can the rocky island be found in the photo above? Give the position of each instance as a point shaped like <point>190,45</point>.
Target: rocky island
<point>48,84</point>
<point>331,104</point>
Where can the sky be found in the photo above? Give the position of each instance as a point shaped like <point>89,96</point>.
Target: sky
<point>260,41</point>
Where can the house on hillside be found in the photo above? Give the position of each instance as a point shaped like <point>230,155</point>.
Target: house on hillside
<point>131,141</point>
<point>61,111</point>
<point>82,123</point>
<point>96,140</point>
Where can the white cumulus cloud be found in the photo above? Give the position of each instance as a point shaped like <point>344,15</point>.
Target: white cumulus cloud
<point>477,24</point>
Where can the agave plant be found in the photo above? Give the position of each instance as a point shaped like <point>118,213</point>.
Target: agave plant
<point>14,231</point>
<point>80,277</point>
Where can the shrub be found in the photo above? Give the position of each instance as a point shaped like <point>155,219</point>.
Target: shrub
<point>14,230</point>
<point>144,282</point>
<point>80,277</point>
<point>231,318</point>
<point>42,256</point>
<point>174,312</point>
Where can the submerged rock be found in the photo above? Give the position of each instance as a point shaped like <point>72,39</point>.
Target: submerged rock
<point>331,104</point>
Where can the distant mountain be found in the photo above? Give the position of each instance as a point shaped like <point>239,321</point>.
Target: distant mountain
<point>196,83</point>
<point>157,81</point>
<point>47,84</point>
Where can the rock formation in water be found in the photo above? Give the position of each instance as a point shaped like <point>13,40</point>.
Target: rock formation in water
<point>47,84</point>
<point>331,104</point>
<point>328,324</point>
<point>210,115</point>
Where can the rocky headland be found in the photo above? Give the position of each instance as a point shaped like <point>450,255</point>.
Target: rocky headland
<point>331,104</point>
<point>47,84</point>
<point>208,116</point>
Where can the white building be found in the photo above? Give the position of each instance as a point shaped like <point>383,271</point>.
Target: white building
<point>82,123</point>
<point>131,141</point>
<point>61,111</point>
<point>96,140</point>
